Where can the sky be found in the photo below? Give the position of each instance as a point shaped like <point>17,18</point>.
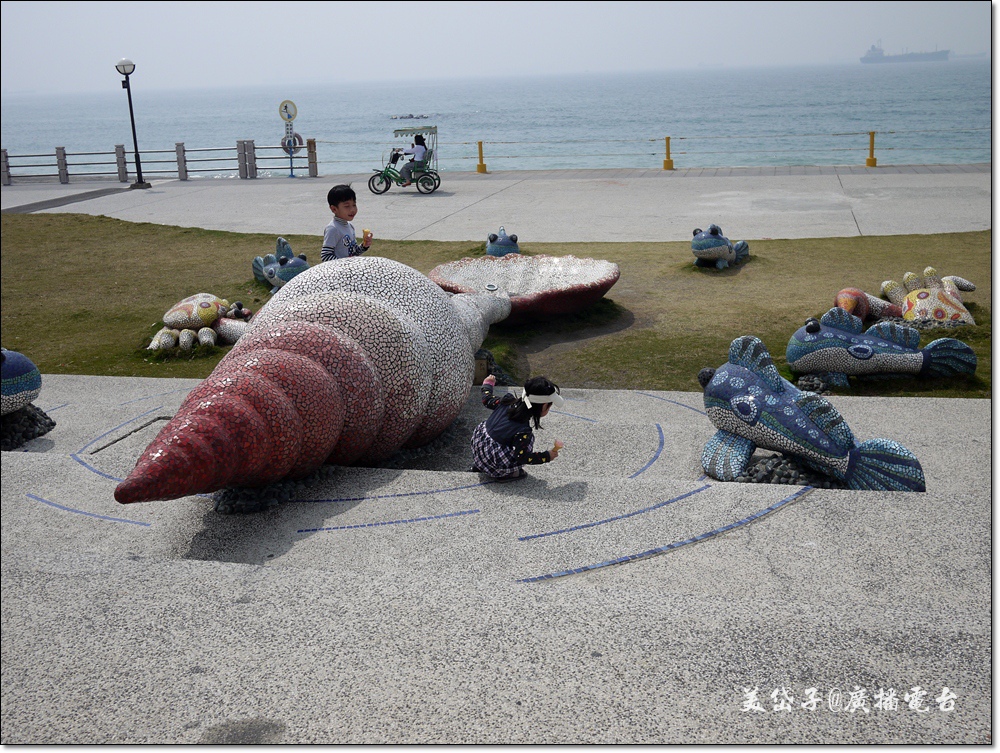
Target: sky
<point>64,47</point>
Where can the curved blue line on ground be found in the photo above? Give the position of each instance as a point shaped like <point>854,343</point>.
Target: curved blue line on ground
<point>617,517</point>
<point>674,545</point>
<point>573,415</point>
<point>657,397</point>
<point>49,410</point>
<point>89,467</point>
<point>656,455</point>
<point>389,522</point>
<point>159,394</point>
<point>88,514</point>
<point>398,494</point>
<point>131,420</point>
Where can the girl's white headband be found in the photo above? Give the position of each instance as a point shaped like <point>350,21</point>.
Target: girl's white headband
<point>555,398</point>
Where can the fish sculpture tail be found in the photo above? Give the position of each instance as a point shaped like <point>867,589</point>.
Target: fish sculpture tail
<point>948,357</point>
<point>884,465</point>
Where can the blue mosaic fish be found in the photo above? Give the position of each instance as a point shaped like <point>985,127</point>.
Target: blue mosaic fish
<point>753,406</point>
<point>712,249</point>
<point>279,267</point>
<point>835,347</point>
<point>501,244</point>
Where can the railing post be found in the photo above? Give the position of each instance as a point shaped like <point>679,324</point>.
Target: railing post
<point>182,166</point>
<point>871,161</point>
<point>241,157</point>
<point>313,163</point>
<point>251,158</point>
<point>668,164</point>
<point>481,167</point>
<point>61,164</point>
<point>5,167</point>
<point>120,161</point>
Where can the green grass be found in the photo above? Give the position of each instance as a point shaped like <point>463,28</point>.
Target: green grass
<point>84,295</point>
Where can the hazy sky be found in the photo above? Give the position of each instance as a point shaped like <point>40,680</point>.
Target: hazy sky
<point>56,47</point>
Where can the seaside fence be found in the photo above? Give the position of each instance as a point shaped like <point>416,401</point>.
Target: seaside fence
<point>246,160</point>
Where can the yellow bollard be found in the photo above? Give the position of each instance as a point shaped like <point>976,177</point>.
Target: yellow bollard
<point>871,161</point>
<point>481,167</point>
<point>668,164</point>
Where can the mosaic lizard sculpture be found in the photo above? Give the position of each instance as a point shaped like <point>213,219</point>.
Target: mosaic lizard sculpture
<point>753,406</point>
<point>348,363</point>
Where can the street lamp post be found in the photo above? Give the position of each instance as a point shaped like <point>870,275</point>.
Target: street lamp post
<point>125,67</point>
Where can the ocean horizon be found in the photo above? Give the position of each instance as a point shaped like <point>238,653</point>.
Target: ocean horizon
<point>922,113</point>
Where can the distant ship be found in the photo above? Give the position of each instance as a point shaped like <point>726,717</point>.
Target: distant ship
<point>875,55</point>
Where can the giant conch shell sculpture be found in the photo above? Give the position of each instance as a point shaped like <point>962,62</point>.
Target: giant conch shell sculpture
<point>349,362</point>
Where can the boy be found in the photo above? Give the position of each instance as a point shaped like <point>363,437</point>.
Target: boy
<point>339,240</point>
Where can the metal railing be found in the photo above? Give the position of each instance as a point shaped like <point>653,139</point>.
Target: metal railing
<point>243,160</point>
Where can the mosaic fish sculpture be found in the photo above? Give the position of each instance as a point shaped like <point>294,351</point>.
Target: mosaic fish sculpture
<point>753,406</point>
<point>836,347</point>
<point>278,268</point>
<point>501,244</point>
<point>349,362</point>
<point>930,298</point>
<point>712,249</point>
<point>21,381</point>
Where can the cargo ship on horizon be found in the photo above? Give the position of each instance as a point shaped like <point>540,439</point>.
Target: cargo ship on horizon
<point>876,55</point>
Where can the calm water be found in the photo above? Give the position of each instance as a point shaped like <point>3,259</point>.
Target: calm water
<point>925,114</point>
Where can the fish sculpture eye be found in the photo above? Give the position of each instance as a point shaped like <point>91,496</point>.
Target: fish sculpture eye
<point>746,409</point>
<point>812,326</point>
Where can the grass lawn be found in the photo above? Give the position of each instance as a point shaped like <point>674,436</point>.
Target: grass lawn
<point>84,295</point>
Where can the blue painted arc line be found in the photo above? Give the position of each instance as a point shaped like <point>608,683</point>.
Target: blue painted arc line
<point>675,545</point>
<point>389,522</point>
<point>84,512</point>
<point>573,415</point>
<point>159,394</point>
<point>666,400</point>
<point>656,455</point>
<point>91,468</point>
<point>624,516</point>
<point>131,420</point>
<point>50,410</point>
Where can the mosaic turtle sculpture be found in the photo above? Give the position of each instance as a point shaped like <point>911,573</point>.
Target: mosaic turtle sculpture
<point>930,298</point>
<point>20,384</point>
<point>836,347</point>
<point>753,406</point>
<point>538,286</point>
<point>278,268</point>
<point>712,249</point>
<point>501,244</point>
<point>346,364</point>
<point>201,318</point>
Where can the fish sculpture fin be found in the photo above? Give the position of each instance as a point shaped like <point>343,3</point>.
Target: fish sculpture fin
<point>896,333</point>
<point>884,465</point>
<point>948,357</point>
<point>258,264</point>
<point>837,318</point>
<point>742,249</point>
<point>726,455</point>
<point>822,413</point>
<point>283,249</point>
<point>750,353</point>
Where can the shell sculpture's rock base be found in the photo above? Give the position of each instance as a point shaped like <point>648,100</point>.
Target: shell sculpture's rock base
<point>349,362</point>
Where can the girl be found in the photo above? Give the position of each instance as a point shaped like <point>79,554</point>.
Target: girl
<point>503,443</point>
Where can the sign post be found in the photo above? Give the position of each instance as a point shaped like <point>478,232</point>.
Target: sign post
<point>291,142</point>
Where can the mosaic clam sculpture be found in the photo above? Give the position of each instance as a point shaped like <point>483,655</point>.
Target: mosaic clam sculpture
<point>837,346</point>
<point>346,364</point>
<point>538,286</point>
<point>752,405</point>
<point>930,298</point>
<point>202,318</point>
<point>278,268</point>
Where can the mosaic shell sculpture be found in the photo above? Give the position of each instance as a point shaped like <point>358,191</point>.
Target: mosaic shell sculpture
<point>753,406</point>
<point>538,286</point>
<point>21,381</point>
<point>349,362</point>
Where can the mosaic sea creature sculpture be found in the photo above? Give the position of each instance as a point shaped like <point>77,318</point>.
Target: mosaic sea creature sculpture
<point>538,286</point>
<point>930,298</point>
<point>712,249</point>
<point>501,244</point>
<point>865,306</point>
<point>753,406</point>
<point>346,364</point>
<point>835,347</point>
<point>21,381</point>
<point>201,318</point>
<point>278,268</point>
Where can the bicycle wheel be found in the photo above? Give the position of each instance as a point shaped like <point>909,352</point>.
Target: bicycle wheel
<point>437,178</point>
<point>426,183</point>
<point>378,183</point>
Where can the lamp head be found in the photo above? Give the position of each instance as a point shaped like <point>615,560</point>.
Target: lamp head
<point>125,66</point>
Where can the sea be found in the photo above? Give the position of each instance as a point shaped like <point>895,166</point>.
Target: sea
<point>921,113</point>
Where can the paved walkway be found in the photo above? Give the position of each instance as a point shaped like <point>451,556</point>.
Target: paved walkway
<point>598,601</point>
